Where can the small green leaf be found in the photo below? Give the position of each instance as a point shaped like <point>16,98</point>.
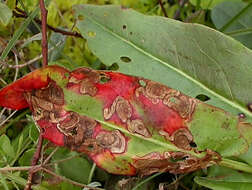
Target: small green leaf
<point>33,133</point>
<point>6,147</point>
<point>76,169</point>
<point>5,14</point>
<point>25,159</point>
<point>3,182</point>
<point>21,181</point>
<point>57,53</point>
<point>221,185</point>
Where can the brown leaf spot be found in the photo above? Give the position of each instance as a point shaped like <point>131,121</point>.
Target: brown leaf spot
<point>152,90</point>
<point>88,125</point>
<point>87,87</point>
<point>184,105</point>
<point>55,94</point>
<point>74,80</point>
<point>112,140</point>
<point>182,138</point>
<point>55,117</point>
<point>43,104</point>
<point>137,126</point>
<point>121,107</point>
<point>174,162</point>
<point>69,123</point>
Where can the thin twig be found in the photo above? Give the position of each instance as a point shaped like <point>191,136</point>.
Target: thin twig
<point>3,81</point>
<point>63,160</point>
<point>21,168</point>
<point>22,14</point>
<point>17,69</point>
<point>50,156</point>
<point>44,34</point>
<point>69,180</point>
<point>162,7</point>
<point>3,122</point>
<point>30,61</point>
<point>34,161</point>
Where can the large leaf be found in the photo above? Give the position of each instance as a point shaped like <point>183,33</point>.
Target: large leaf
<point>128,124</point>
<point>234,18</point>
<point>192,58</point>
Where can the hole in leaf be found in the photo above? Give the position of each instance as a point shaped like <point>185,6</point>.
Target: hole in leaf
<point>125,59</point>
<point>250,107</point>
<point>90,147</point>
<point>74,131</point>
<point>124,26</point>
<point>202,97</point>
<point>193,144</point>
<point>113,67</point>
<point>131,33</point>
<point>142,83</point>
<point>178,159</point>
<point>80,17</point>
<point>104,78</point>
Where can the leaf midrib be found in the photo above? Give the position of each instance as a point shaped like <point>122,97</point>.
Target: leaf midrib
<point>224,99</point>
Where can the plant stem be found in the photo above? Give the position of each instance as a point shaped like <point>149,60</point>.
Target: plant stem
<point>35,159</point>
<point>44,35</point>
<point>162,7</point>
<point>236,165</point>
<point>239,32</point>
<point>91,173</point>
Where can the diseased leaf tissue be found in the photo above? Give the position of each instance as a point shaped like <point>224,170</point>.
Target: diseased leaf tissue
<point>127,125</point>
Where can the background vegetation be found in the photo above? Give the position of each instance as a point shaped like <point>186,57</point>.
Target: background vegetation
<point>20,50</point>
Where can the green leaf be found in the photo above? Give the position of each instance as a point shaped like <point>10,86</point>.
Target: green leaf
<point>6,147</point>
<point>220,185</point>
<point>220,178</point>
<point>33,132</point>
<point>208,4</point>
<point>55,39</point>
<point>67,186</point>
<point>25,159</point>
<point>3,182</point>
<point>189,57</point>
<point>77,168</point>
<point>234,18</point>
<point>20,180</point>
<point>5,14</point>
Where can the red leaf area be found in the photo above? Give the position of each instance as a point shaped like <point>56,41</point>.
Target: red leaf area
<point>12,95</point>
<point>51,132</point>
